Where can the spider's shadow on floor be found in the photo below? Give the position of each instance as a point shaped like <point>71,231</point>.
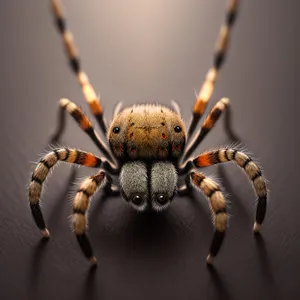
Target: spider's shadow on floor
<point>150,228</point>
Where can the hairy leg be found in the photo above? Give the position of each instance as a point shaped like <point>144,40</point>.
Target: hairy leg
<point>72,52</point>
<point>219,58</point>
<point>218,206</point>
<point>253,172</point>
<point>84,123</point>
<point>208,124</point>
<point>80,208</point>
<point>42,170</point>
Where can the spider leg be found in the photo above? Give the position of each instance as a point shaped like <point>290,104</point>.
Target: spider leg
<point>245,162</point>
<point>80,207</point>
<point>84,123</point>
<point>219,58</point>
<point>42,169</point>
<point>186,188</point>
<point>209,123</point>
<point>109,188</point>
<point>87,89</point>
<point>218,206</point>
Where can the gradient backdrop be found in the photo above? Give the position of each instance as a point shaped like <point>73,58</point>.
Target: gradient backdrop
<point>138,52</point>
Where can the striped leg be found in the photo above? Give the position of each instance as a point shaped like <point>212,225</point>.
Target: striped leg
<point>80,207</point>
<point>207,125</point>
<point>87,89</point>
<point>41,171</point>
<point>83,122</point>
<point>219,58</point>
<point>252,170</point>
<point>218,206</point>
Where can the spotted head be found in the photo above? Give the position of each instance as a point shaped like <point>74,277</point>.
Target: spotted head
<point>147,132</point>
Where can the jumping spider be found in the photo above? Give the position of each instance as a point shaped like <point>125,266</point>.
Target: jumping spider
<point>147,150</point>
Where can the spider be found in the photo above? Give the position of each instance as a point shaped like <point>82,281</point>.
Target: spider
<point>150,148</point>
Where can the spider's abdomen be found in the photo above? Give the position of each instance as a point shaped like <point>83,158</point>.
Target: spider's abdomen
<point>147,132</point>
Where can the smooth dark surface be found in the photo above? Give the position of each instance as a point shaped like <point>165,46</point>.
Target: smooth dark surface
<point>138,52</point>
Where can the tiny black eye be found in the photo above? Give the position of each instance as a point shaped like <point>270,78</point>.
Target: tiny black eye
<point>162,199</point>
<point>137,200</point>
<point>177,129</point>
<point>116,130</point>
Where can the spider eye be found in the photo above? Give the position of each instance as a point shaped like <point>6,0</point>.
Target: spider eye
<point>177,129</point>
<point>116,129</point>
<point>137,200</point>
<point>161,199</point>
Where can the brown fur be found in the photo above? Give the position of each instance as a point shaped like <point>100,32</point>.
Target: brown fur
<point>147,131</point>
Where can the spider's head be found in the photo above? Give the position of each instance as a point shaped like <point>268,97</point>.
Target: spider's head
<point>147,132</point>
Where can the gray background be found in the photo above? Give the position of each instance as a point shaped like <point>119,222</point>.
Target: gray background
<point>138,52</point>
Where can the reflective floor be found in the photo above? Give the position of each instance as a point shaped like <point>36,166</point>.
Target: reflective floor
<point>138,53</point>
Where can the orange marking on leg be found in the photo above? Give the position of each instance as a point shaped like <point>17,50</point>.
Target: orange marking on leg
<point>208,123</point>
<point>90,160</point>
<point>199,106</point>
<point>96,107</point>
<point>85,123</point>
<point>204,160</point>
<point>92,99</point>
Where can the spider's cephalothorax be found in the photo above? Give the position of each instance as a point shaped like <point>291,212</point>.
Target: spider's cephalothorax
<point>147,132</point>
<point>149,149</point>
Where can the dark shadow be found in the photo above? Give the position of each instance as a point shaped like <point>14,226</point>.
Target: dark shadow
<point>203,217</point>
<point>140,235</point>
<point>61,202</point>
<point>266,270</point>
<point>235,200</point>
<point>35,268</point>
<point>148,229</point>
<point>228,126</point>
<point>218,284</point>
<point>98,201</point>
<point>56,134</point>
<point>89,290</point>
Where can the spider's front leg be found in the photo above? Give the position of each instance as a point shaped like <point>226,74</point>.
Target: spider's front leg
<point>219,57</point>
<point>88,90</point>
<point>218,206</point>
<point>41,171</point>
<point>84,123</point>
<point>222,106</point>
<point>80,207</point>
